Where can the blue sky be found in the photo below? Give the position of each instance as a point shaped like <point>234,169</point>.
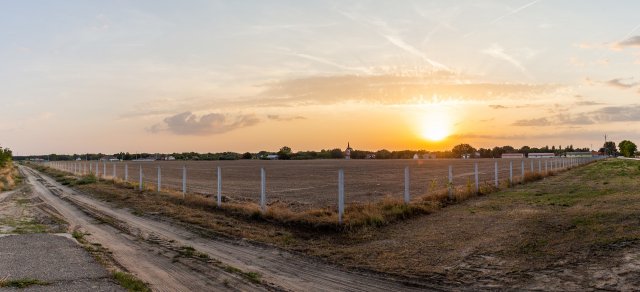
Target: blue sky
<point>88,76</point>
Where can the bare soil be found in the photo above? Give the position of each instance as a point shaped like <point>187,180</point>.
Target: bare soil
<point>312,184</point>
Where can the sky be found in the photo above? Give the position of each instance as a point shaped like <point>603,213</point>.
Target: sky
<point>211,76</point>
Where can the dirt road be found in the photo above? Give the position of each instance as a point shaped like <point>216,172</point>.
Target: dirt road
<point>145,247</point>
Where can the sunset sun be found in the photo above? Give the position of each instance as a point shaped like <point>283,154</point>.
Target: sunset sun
<point>436,126</point>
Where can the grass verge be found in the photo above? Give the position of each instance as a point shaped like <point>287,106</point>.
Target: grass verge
<point>22,283</point>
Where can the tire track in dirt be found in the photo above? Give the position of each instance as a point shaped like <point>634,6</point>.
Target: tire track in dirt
<point>141,258</point>
<point>278,268</point>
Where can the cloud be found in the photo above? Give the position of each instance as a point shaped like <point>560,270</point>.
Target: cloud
<point>619,83</point>
<point>632,42</point>
<point>187,123</point>
<point>285,119</point>
<point>587,103</point>
<point>607,114</point>
<point>515,11</point>
<point>498,52</point>
<point>497,106</point>
<point>390,89</point>
<point>533,122</point>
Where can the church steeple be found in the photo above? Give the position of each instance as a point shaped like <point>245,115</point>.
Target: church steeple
<point>347,152</point>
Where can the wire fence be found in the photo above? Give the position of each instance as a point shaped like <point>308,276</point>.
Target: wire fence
<point>312,184</point>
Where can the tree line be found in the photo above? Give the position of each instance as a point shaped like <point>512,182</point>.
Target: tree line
<point>626,148</point>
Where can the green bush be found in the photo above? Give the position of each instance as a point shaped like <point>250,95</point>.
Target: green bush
<point>5,156</point>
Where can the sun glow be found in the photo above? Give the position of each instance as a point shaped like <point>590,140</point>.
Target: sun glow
<point>436,125</point>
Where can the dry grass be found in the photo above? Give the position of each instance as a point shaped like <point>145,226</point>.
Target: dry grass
<point>373,214</point>
<point>9,177</point>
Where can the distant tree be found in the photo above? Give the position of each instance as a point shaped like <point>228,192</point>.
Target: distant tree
<point>462,149</point>
<point>627,148</point>
<point>336,153</point>
<point>610,148</point>
<point>247,155</point>
<point>383,154</point>
<point>284,153</point>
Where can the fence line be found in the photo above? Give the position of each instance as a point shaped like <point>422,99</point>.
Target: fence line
<point>166,180</point>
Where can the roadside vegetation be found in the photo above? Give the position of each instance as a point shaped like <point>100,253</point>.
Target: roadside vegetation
<point>9,176</point>
<point>583,216</point>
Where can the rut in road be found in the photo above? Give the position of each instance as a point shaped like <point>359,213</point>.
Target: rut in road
<point>279,269</point>
<point>146,260</point>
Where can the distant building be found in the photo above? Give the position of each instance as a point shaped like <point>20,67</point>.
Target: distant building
<point>109,158</point>
<point>272,156</point>
<point>513,155</point>
<point>428,156</point>
<point>347,152</point>
<point>370,156</point>
<point>578,154</point>
<point>466,156</point>
<point>541,155</point>
<point>78,159</point>
<point>169,158</point>
<point>415,156</point>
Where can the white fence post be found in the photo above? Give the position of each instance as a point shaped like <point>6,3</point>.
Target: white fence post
<point>496,174</point>
<point>531,165</point>
<point>140,185</point>
<point>522,170</point>
<point>450,182</point>
<point>406,185</point>
<point>104,169</point>
<point>510,173</point>
<point>539,166</point>
<point>477,182</point>
<point>546,167</point>
<point>98,169</point>
<point>263,190</point>
<point>114,171</point>
<point>159,178</point>
<point>90,167</point>
<point>126,172</point>
<point>340,195</point>
<point>184,181</point>
<point>219,186</point>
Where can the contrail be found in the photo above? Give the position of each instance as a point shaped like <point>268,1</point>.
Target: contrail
<point>394,39</point>
<point>515,11</point>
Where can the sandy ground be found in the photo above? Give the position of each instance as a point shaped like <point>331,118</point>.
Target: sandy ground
<point>142,245</point>
<point>34,245</point>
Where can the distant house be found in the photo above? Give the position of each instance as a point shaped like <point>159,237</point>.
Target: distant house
<point>272,156</point>
<point>415,156</point>
<point>370,156</point>
<point>109,158</point>
<point>578,154</point>
<point>466,156</point>
<point>513,155</point>
<point>169,158</point>
<point>428,156</point>
<point>78,159</point>
<point>541,155</point>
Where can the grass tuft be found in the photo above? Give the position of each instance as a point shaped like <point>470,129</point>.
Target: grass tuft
<point>130,282</point>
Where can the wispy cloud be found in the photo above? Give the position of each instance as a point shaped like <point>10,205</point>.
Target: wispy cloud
<point>515,11</point>
<point>187,123</point>
<point>603,115</point>
<point>383,29</point>
<point>620,83</point>
<point>498,52</point>
<point>629,42</point>
<point>280,118</point>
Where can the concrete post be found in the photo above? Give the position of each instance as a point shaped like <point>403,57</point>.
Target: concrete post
<point>263,190</point>
<point>546,167</point>
<point>522,170</point>
<point>126,172</point>
<point>104,169</point>
<point>406,185</point>
<point>219,186</point>
<point>184,181</point>
<point>140,176</point>
<point>531,165</point>
<point>114,171</point>
<point>159,178</point>
<point>539,166</point>
<point>510,173</point>
<point>97,169</point>
<point>340,195</point>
